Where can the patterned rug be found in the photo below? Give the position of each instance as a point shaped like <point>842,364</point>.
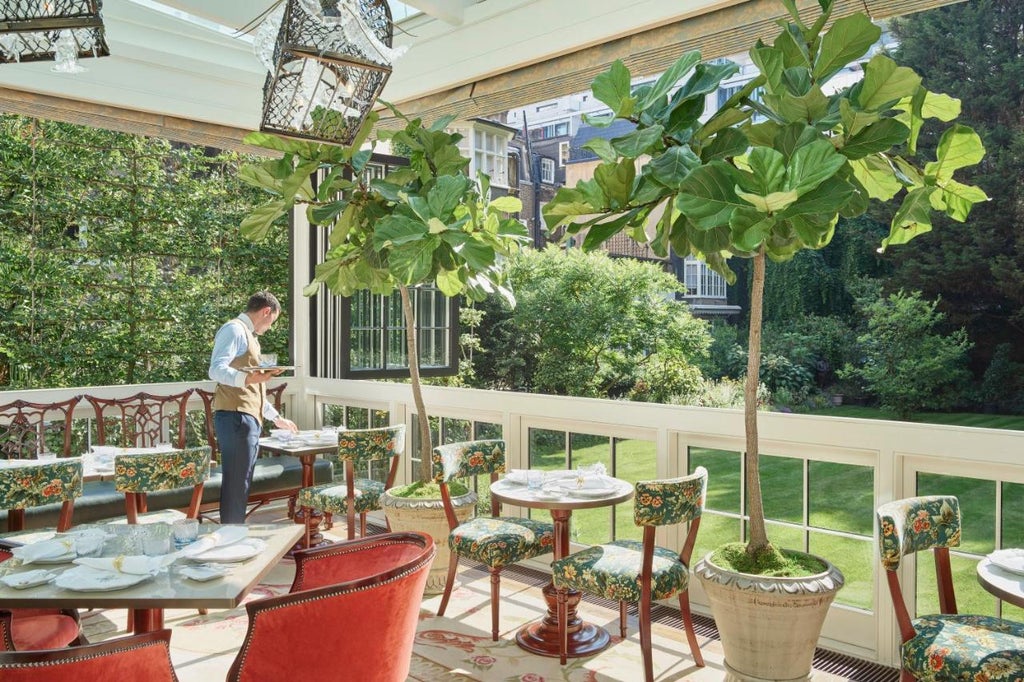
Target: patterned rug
<point>454,648</point>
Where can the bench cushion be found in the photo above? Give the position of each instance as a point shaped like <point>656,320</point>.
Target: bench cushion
<point>277,476</point>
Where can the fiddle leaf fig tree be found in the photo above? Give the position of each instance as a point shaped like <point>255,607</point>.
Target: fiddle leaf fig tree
<point>425,223</point>
<point>773,170</point>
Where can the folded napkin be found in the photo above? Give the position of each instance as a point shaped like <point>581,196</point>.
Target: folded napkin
<point>226,535</point>
<point>1008,559</point>
<point>135,565</point>
<point>517,476</point>
<point>44,550</point>
<point>593,481</point>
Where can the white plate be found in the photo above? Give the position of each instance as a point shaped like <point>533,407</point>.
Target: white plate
<point>1011,560</point>
<point>242,550</point>
<point>203,572</point>
<point>21,581</point>
<point>547,494</point>
<point>589,493</point>
<point>62,559</point>
<point>86,579</point>
<point>267,368</point>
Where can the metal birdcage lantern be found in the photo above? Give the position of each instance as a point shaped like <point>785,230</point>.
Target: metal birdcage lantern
<point>329,63</point>
<point>63,31</point>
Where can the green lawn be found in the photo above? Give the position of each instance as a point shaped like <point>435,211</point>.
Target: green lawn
<point>987,421</point>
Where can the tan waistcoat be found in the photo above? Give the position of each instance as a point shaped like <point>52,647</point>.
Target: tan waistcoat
<point>249,398</point>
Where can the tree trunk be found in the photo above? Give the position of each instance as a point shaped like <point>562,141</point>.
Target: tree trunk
<point>758,538</point>
<point>414,374</point>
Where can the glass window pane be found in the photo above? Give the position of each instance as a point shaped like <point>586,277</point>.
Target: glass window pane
<point>970,596</point>
<point>456,430</point>
<point>487,430</point>
<point>785,537</point>
<point>856,560</point>
<point>782,483</point>
<point>587,449</point>
<point>723,477</point>
<point>977,507</point>
<point>635,460</point>
<point>853,511</point>
<point>715,530</point>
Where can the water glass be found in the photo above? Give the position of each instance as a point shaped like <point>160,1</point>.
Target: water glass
<point>534,479</point>
<point>156,539</point>
<point>47,456</point>
<point>185,532</point>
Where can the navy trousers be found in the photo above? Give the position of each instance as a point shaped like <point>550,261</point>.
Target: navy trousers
<point>238,436</point>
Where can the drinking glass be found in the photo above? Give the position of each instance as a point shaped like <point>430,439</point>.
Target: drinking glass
<point>185,532</point>
<point>534,479</point>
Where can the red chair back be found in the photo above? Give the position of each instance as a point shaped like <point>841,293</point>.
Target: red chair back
<point>143,657</point>
<point>367,623</point>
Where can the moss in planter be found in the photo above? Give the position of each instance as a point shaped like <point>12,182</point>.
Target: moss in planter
<point>422,490</point>
<point>776,563</point>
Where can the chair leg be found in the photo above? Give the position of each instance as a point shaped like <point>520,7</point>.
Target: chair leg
<point>453,566</point>
<point>193,505</point>
<point>644,609</point>
<point>691,635</point>
<point>66,510</point>
<point>562,611</point>
<point>623,608</point>
<point>328,520</point>
<point>495,601</point>
<point>291,506</point>
<point>906,676</point>
<point>362,525</point>
<point>130,508</point>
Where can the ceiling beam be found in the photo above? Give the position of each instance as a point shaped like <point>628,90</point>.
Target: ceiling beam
<point>720,33</point>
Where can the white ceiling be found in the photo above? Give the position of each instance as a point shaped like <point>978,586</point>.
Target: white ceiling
<point>163,64</point>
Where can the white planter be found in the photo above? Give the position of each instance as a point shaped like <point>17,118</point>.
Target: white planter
<point>405,513</point>
<point>769,626</point>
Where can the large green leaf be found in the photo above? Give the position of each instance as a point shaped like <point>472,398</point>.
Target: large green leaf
<point>299,182</point>
<point>875,175</point>
<point>885,83</point>
<point>669,78</point>
<point>613,88</point>
<point>849,39</point>
<point>811,164</point>
<point>478,256</point>
<point>396,230</point>
<point>257,224</point>
<point>670,167</point>
<point>770,61</point>
<point>616,180</point>
<point>768,171</point>
<point>707,196</point>
<point>638,142</point>
<point>827,198</point>
<point>705,80</point>
<point>807,108</point>
<point>957,199</point>
<point>412,263</point>
<point>602,147</point>
<point>913,217</point>
<point>449,282</point>
<point>959,147</point>
<point>506,204</point>
<point>270,141</point>
<point>855,120</point>
<point>726,144</point>
<point>748,228</point>
<point>326,213</point>
<point>448,193</point>
<point>880,136</point>
<point>773,202</point>
<point>600,232</point>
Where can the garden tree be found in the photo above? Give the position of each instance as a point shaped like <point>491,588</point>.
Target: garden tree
<point>425,223</point>
<point>975,49</point>
<point>729,186</point>
<point>589,325</point>
<point>118,256</point>
<point>906,361</point>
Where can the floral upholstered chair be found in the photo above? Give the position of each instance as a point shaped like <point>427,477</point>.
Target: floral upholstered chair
<point>137,475</point>
<point>628,571</point>
<point>357,449</point>
<point>495,541</point>
<point>360,626</point>
<point>143,657</point>
<point>27,430</point>
<point>946,646</point>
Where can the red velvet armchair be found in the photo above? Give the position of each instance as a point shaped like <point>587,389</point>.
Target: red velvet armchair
<point>143,657</point>
<point>365,616</point>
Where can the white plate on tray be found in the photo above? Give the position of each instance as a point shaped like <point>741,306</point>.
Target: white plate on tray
<point>21,581</point>
<point>268,368</point>
<point>1011,560</point>
<point>87,579</point>
<point>243,550</point>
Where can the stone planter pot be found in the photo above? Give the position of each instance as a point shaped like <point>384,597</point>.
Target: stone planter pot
<point>406,513</point>
<point>769,626</point>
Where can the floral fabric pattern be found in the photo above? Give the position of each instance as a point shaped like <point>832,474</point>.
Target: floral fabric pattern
<point>38,484</point>
<point>917,523</point>
<point>470,458</point>
<point>962,648</point>
<point>670,501</point>
<point>613,571</point>
<point>333,498</point>
<point>502,541</point>
<point>360,446</point>
<point>161,470</point>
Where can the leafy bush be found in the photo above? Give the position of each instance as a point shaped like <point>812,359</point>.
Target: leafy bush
<point>1002,387</point>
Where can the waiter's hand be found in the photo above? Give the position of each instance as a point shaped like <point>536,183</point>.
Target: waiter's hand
<point>283,423</point>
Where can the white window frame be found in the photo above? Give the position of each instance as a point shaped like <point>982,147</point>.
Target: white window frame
<point>563,153</point>
<point>547,170</point>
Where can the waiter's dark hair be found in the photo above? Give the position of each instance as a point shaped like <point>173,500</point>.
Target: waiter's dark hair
<point>261,300</point>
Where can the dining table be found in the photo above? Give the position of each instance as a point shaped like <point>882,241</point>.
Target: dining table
<point>561,495</point>
<point>306,446</point>
<point>1006,584</point>
<point>171,587</point>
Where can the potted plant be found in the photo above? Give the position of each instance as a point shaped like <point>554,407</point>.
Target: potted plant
<point>768,174</point>
<point>425,223</point>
